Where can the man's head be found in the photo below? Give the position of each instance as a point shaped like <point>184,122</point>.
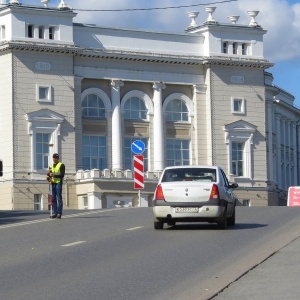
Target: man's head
<point>55,157</point>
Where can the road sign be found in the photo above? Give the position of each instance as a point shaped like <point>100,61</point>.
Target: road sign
<point>138,168</point>
<point>138,147</point>
<point>293,196</point>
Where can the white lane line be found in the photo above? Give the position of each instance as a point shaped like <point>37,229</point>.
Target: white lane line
<point>134,228</point>
<point>73,244</point>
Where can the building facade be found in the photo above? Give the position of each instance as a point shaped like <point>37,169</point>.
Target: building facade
<point>87,92</point>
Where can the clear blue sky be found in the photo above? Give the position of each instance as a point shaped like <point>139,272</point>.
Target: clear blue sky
<point>281,18</point>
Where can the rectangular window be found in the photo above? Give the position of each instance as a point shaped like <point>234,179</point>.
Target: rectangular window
<point>244,49</point>
<point>237,154</point>
<point>2,32</point>
<point>51,33</point>
<point>238,105</point>
<point>85,202</point>
<point>42,150</point>
<point>128,154</point>
<point>234,48</point>
<point>44,93</point>
<point>37,205</point>
<point>30,31</point>
<point>94,152</point>
<point>225,47</point>
<point>41,32</point>
<point>177,152</point>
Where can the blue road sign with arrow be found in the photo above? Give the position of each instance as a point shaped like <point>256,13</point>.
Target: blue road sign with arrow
<point>138,147</point>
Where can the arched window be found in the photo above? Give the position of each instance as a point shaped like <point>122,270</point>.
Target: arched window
<point>176,110</point>
<point>135,109</point>
<point>93,107</point>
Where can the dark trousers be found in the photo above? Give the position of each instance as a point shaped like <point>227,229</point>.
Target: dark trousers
<point>57,204</point>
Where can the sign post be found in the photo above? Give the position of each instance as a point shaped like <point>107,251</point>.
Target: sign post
<point>138,147</point>
<point>293,196</point>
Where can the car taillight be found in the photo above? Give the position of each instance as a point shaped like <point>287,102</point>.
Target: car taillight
<point>214,194</point>
<point>159,195</point>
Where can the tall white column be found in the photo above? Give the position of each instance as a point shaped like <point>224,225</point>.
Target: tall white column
<point>295,163</point>
<point>270,140</point>
<point>158,128</point>
<point>289,154</point>
<point>117,163</point>
<point>278,150</point>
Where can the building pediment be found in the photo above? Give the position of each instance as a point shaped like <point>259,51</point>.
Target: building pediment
<point>44,115</point>
<point>240,126</point>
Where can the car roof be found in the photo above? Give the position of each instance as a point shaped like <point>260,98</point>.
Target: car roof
<point>193,167</point>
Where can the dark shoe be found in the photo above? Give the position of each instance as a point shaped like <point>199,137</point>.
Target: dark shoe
<point>58,217</point>
<point>53,216</point>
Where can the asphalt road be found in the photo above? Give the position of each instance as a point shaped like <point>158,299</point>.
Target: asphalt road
<point>116,254</point>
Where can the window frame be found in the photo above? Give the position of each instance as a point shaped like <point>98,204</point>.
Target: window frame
<point>173,113</point>
<point>140,111</point>
<point>51,34</point>
<point>235,170</point>
<point>243,132</point>
<point>105,158</point>
<point>242,110</point>
<point>30,31</point>
<point>43,121</point>
<point>182,159</point>
<point>102,95</point>
<point>2,32</point>
<point>225,47</point>
<point>41,30</point>
<point>143,96</point>
<point>186,100</point>
<point>48,98</point>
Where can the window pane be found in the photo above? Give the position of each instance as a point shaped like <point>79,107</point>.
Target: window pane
<point>94,152</point>
<point>177,110</point>
<point>93,107</point>
<point>237,150</point>
<point>135,109</point>
<point>41,150</point>
<point>177,152</point>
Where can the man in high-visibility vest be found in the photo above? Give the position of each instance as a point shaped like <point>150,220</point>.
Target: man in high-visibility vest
<point>56,174</point>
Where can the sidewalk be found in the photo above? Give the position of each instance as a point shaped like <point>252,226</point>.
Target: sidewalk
<point>275,278</point>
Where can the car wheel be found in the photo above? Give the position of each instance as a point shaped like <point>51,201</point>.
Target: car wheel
<point>158,225</point>
<point>222,223</point>
<point>231,220</point>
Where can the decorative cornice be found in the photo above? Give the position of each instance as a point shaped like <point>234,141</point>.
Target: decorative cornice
<point>133,55</point>
<point>252,63</point>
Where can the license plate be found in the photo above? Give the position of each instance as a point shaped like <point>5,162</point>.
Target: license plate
<point>186,209</point>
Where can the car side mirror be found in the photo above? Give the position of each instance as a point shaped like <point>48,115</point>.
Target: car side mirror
<point>233,185</point>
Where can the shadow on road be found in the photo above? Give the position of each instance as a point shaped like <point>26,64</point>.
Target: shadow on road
<point>204,226</point>
<point>10,217</point>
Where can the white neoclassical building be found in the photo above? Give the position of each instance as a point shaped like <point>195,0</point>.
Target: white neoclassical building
<point>202,96</point>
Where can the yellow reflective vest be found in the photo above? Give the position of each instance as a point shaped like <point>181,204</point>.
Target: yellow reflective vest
<point>56,171</point>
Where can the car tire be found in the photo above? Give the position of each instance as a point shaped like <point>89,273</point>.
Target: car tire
<point>158,225</point>
<point>222,223</point>
<point>231,220</point>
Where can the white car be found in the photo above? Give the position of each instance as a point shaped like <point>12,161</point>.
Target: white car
<point>194,194</point>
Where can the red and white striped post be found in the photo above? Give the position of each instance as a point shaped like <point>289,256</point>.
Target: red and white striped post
<point>138,168</point>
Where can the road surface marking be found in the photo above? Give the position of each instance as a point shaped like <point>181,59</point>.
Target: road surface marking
<point>73,244</point>
<point>134,228</point>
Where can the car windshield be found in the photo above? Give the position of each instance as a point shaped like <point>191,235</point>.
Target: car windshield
<point>189,174</point>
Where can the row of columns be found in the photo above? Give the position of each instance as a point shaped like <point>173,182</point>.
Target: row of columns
<point>158,140</point>
<point>286,136</point>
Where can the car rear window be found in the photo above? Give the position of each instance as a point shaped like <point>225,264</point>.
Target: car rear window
<point>190,174</point>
